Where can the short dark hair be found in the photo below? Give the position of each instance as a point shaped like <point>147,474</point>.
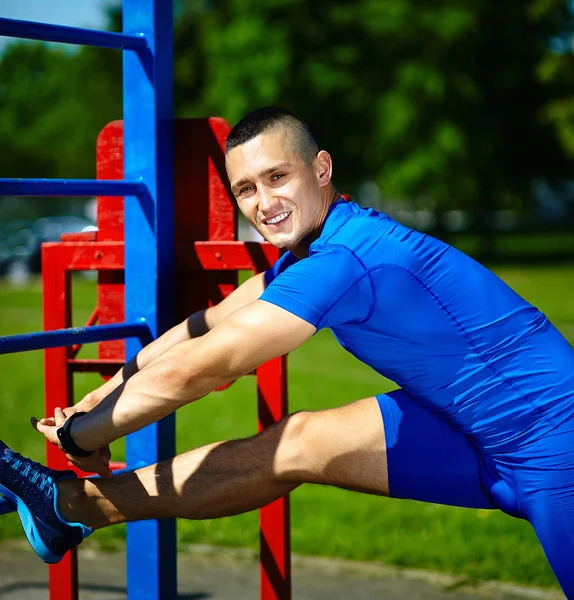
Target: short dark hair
<point>268,117</point>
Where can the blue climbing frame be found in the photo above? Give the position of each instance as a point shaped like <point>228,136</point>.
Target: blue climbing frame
<point>147,42</point>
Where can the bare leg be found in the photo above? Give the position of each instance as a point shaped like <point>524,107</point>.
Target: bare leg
<point>344,447</point>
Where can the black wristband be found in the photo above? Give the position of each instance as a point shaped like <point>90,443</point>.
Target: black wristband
<point>65,437</point>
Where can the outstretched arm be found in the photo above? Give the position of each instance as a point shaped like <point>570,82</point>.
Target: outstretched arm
<point>245,339</point>
<point>195,326</point>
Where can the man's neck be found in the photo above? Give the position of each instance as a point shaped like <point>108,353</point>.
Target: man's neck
<point>329,196</point>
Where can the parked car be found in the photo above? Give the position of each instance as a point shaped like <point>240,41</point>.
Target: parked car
<point>50,229</point>
<point>20,245</point>
<point>16,242</point>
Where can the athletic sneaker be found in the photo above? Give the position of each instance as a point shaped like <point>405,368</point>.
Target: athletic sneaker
<point>32,489</point>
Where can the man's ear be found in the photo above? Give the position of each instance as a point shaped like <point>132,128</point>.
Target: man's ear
<point>323,167</point>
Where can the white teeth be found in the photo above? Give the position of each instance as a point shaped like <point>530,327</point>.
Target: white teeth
<point>277,218</point>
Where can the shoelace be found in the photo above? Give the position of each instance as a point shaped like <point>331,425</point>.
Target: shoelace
<point>35,472</point>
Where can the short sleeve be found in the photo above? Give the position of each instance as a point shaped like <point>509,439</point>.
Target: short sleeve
<point>284,261</point>
<point>328,288</point>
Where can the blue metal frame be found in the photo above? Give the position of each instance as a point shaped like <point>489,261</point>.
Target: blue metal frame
<point>40,340</point>
<point>149,239</point>
<point>71,187</point>
<point>148,147</point>
<point>48,32</point>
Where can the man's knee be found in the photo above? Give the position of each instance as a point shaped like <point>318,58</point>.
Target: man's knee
<point>343,446</point>
<point>309,442</point>
<point>293,456</point>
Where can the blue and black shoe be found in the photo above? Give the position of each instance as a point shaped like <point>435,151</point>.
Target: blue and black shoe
<point>32,488</point>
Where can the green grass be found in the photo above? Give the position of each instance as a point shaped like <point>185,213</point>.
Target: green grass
<point>329,522</point>
<point>517,245</point>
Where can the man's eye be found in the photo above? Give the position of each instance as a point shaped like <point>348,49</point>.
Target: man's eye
<point>277,176</point>
<point>244,189</point>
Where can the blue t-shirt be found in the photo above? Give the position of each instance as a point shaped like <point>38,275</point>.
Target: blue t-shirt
<point>433,320</point>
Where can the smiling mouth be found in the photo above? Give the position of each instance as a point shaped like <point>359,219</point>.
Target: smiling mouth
<point>277,219</point>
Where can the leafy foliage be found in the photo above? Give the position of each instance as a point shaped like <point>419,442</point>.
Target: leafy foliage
<point>454,103</point>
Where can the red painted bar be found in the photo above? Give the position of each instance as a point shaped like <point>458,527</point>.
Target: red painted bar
<point>110,165</point>
<point>86,256</point>
<point>200,256</point>
<point>58,382</point>
<point>225,256</point>
<point>207,260</point>
<point>93,319</point>
<point>274,519</point>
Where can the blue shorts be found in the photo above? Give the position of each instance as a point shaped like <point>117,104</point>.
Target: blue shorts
<point>429,460</point>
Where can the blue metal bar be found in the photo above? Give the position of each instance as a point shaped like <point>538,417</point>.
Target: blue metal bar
<point>71,187</point>
<point>148,147</point>
<point>48,32</point>
<point>75,335</point>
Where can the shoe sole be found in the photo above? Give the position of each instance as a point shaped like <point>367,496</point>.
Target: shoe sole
<point>30,529</point>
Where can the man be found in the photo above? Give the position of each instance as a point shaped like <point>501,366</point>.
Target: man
<point>483,417</point>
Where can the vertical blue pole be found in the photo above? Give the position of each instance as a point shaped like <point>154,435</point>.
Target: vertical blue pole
<point>149,222</point>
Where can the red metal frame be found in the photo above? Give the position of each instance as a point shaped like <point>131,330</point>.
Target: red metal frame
<point>208,258</point>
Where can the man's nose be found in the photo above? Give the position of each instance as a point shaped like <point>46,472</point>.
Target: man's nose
<point>266,200</point>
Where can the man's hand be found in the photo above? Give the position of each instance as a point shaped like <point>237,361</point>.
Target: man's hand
<point>85,405</point>
<point>98,462</point>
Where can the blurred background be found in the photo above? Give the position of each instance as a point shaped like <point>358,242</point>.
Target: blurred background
<point>454,116</point>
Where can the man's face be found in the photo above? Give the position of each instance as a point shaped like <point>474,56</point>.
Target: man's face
<point>275,190</point>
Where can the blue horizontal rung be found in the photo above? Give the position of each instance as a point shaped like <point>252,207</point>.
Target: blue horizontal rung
<point>48,32</point>
<point>71,187</point>
<point>40,340</point>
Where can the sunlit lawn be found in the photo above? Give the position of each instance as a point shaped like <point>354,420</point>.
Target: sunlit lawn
<point>328,522</point>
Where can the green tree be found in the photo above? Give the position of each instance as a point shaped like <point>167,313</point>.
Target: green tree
<point>456,104</point>
<point>54,100</point>
<point>449,103</point>
<point>555,70</point>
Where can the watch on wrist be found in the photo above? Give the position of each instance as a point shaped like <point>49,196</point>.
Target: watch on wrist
<point>65,437</point>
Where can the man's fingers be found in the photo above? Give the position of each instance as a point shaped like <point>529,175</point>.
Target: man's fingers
<point>49,431</point>
<point>40,425</point>
<point>103,463</point>
<point>59,417</point>
<point>105,473</point>
<point>93,465</point>
<point>98,463</point>
<point>106,454</point>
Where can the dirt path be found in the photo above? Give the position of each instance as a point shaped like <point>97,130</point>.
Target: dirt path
<point>213,574</point>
